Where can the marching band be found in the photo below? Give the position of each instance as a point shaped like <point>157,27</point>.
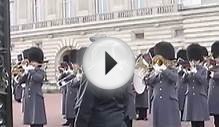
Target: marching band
<point>174,89</point>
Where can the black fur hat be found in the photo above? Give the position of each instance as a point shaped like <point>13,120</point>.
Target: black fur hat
<point>26,53</point>
<point>151,51</point>
<point>195,52</point>
<point>204,51</point>
<point>165,49</point>
<point>36,55</point>
<point>182,54</point>
<point>215,49</point>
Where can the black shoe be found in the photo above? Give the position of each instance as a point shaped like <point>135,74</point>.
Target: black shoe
<point>66,124</point>
<point>140,119</point>
<point>145,119</point>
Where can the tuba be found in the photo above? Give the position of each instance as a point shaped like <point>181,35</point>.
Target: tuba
<point>143,67</point>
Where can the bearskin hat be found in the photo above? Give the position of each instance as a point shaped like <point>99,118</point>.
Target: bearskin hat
<point>165,49</point>
<point>204,51</point>
<point>182,54</point>
<point>151,51</point>
<point>215,49</point>
<point>26,53</point>
<point>64,65</point>
<point>195,52</point>
<point>36,55</point>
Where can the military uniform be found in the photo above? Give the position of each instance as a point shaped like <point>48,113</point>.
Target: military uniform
<point>213,94</point>
<point>33,102</point>
<point>98,109</point>
<point>213,97</point>
<point>181,86</point>
<point>181,92</point>
<point>165,109</point>
<point>72,89</point>
<point>196,105</point>
<point>130,106</point>
<point>63,91</point>
<point>18,92</point>
<point>34,106</point>
<point>142,104</point>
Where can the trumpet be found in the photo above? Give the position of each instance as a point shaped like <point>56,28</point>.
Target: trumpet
<point>160,60</point>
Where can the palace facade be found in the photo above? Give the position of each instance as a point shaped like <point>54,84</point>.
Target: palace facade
<point>61,26</point>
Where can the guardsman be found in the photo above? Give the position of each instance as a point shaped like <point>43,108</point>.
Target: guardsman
<point>196,103</point>
<point>101,108</point>
<point>150,89</point>
<point>182,87</point>
<point>130,106</point>
<point>18,89</point>
<point>73,83</point>
<point>165,108</point>
<point>142,105</point>
<point>63,73</point>
<point>213,95</point>
<point>34,106</point>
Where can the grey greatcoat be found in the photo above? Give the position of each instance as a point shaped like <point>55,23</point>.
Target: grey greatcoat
<point>165,108</point>
<point>213,95</point>
<point>196,105</point>
<point>98,109</point>
<point>142,99</point>
<point>34,107</point>
<point>18,91</point>
<point>181,91</point>
<point>130,111</point>
<point>150,93</point>
<point>71,94</point>
<point>63,91</point>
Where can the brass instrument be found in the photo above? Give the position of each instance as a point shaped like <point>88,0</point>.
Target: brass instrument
<point>143,67</point>
<point>160,60</point>
<point>72,70</point>
<point>144,63</point>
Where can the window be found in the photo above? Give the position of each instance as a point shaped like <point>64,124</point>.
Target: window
<point>136,4</point>
<point>51,5</point>
<point>83,4</point>
<point>178,33</point>
<point>22,5</point>
<point>101,6</point>
<point>37,10</point>
<point>69,8</point>
<point>12,12</point>
<point>139,35</point>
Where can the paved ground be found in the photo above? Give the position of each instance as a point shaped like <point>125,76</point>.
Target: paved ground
<point>53,110</point>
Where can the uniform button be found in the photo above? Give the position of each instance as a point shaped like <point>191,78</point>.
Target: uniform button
<point>160,89</point>
<point>161,97</point>
<point>29,96</point>
<point>193,87</point>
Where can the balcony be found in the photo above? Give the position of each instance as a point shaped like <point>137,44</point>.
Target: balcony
<point>98,17</point>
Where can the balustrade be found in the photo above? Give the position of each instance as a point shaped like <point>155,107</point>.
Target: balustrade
<point>98,17</point>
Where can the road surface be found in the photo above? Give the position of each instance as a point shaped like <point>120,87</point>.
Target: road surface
<point>53,109</point>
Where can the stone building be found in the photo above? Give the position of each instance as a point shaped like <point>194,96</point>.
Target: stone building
<point>60,27</point>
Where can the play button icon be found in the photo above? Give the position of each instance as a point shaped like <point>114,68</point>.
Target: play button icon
<point>108,63</point>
